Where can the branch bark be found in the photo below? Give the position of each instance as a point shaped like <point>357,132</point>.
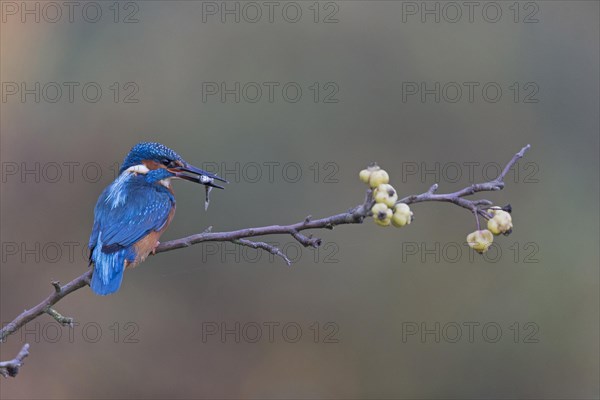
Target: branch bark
<point>475,206</point>
<point>355,215</point>
<point>11,368</point>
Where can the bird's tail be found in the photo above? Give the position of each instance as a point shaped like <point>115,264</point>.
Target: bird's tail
<point>108,270</point>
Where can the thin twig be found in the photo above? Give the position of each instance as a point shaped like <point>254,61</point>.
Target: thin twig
<point>265,246</point>
<point>458,197</point>
<point>31,314</point>
<point>61,319</point>
<point>11,368</point>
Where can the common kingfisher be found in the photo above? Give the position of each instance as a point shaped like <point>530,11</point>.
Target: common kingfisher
<point>132,212</point>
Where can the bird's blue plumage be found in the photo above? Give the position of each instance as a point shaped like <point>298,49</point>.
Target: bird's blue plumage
<point>134,210</point>
<point>127,211</point>
<point>148,151</point>
<point>108,269</point>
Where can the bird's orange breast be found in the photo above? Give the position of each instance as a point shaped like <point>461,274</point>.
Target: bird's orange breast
<point>146,245</point>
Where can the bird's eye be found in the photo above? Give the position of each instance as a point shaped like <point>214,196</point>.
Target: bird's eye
<point>166,162</point>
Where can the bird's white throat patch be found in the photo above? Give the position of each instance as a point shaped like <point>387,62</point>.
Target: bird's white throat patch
<point>138,169</point>
<point>142,169</point>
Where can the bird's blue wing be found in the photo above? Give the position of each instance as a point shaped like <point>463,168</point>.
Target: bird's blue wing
<point>98,213</point>
<point>121,224</point>
<point>94,238</point>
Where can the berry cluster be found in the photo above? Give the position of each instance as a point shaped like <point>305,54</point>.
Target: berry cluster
<point>500,223</point>
<point>386,210</point>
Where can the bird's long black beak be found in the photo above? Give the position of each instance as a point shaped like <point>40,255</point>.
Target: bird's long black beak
<point>203,177</point>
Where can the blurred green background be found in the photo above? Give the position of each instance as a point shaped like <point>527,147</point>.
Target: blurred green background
<point>372,285</point>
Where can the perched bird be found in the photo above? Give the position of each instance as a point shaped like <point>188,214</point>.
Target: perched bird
<point>134,210</point>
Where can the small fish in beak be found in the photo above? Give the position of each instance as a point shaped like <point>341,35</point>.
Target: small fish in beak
<point>203,177</point>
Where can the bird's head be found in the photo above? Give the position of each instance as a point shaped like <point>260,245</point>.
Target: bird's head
<point>147,156</point>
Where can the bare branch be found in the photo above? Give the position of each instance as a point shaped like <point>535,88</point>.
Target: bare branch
<point>61,319</point>
<point>56,285</point>
<point>265,246</point>
<point>31,314</point>
<point>512,162</point>
<point>11,368</point>
<point>475,206</point>
<point>354,215</point>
